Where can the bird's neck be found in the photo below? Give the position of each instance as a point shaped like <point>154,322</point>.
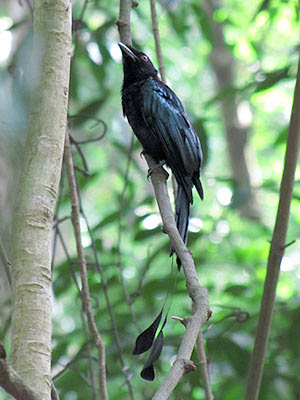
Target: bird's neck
<point>132,77</point>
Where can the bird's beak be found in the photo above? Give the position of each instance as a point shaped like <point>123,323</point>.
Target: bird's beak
<point>127,52</point>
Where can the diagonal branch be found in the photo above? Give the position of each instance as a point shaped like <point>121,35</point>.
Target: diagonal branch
<point>198,294</point>
<point>278,245</point>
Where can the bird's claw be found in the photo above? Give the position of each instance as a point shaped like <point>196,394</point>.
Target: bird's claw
<point>158,165</point>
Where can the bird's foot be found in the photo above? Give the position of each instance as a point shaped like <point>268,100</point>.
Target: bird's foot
<point>158,165</point>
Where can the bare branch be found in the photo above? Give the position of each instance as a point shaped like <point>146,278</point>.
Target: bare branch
<point>82,171</point>
<point>59,221</point>
<point>11,381</point>
<point>54,392</point>
<point>105,292</point>
<point>30,7</point>
<point>108,303</point>
<point>157,41</point>
<point>203,366</point>
<point>97,122</point>
<point>94,389</point>
<point>91,371</point>
<point>80,152</point>
<point>120,231</point>
<point>123,22</point>
<point>277,249</point>
<point>5,261</point>
<point>55,220</point>
<point>143,273</point>
<point>198,294</point>
<point>89,352</point>
<point>76,26</point>
<point>64,246</point>
<point>83,10</point>
<point>75,218</point>
<point>69,364</point>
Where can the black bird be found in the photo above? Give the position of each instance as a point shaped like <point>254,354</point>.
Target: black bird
<point>161,124</point>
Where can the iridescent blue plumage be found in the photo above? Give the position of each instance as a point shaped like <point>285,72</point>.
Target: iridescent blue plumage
<point>161,124</point>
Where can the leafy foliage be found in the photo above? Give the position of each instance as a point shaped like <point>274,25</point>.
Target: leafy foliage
<point>230,252</point>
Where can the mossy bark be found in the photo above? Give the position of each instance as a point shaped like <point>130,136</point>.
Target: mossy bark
<point>37,192</point>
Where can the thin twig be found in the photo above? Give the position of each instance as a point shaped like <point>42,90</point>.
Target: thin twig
<point>82,317</point>
<point>157,41</point>
<point>82,171</point>
<point>144,272</point>
<point>83,9</point>
<point>81,374</point>
<point>98,121</point>
<point>75,218</point>
<point>91,140</point>
<point>89,356</point>
<point>240,317</point>
<point>80,152</point>
<point>54,392</point>
<point>277,249</point>
<point>57,207</point>
<point>101,273</point>
<point>120,231</point>
<point>59,221</point>
<point>107,300</point>
<point>29,6</point>
<point>5,261</point>
<point>67,366</point>
<point>203,367</point>
<point>76,31</point>
<point>64,246</point>
<point>89,352</point>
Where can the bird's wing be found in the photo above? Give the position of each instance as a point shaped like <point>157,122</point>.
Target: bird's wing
<point>164,114</point>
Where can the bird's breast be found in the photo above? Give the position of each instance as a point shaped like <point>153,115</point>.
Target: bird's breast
<point>132,102</point>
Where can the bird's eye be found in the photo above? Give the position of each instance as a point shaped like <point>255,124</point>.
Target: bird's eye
<point>144,58</point>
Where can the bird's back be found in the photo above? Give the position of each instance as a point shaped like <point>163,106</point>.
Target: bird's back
<point>165,117</point>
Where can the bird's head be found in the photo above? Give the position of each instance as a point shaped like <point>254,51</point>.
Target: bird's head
<point>136,64</point>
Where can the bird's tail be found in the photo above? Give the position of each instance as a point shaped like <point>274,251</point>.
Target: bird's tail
<point>198,184</point>
<point>182,212</point>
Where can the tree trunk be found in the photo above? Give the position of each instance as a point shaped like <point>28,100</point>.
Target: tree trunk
<point>223,64</point>
<point>36,194</point>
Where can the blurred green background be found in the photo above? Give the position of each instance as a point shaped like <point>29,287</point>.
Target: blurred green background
<point>233,65</point>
